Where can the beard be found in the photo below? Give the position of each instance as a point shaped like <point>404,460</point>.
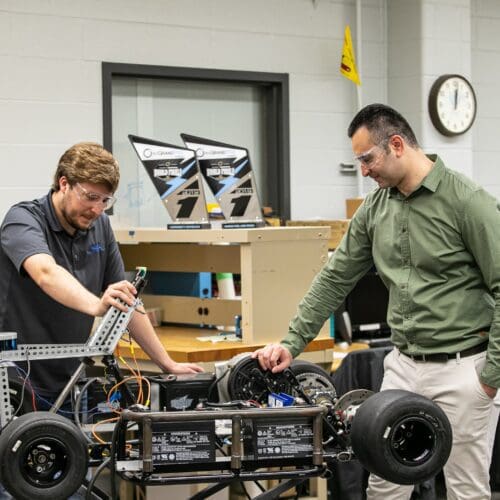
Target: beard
<point>78,220</point>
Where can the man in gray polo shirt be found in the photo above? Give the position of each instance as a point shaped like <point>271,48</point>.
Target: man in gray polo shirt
<point>60,267</point>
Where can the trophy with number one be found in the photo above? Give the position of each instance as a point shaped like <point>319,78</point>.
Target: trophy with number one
<point>176,176</point>
<point>228,173</point>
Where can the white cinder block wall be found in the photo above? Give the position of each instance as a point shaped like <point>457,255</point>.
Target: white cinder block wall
<point>50,90</point>
<point>446,48</point>
<point>427,39</point>
<point>50,82</point>
<point>486,75</point>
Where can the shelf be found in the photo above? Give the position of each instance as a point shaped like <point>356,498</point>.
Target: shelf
<point>276,265</point>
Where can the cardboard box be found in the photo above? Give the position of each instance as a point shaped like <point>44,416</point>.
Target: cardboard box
<point>351,205</point>
<point>338,228</point>
<point>273,221</point>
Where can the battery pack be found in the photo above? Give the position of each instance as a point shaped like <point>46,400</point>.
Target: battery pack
<point>277,439</point>
<point>175,443</point>
<point>184,392</point>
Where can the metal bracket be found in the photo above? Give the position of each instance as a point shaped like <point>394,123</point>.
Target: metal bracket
<point>102,342</point>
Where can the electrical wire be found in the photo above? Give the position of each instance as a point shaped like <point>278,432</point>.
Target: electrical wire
<point>26,381</point>
<point>90,486</point>
<point>101,422</point>
<point>23,387</point>
<point>78,402</point>
<point>112,457</point>
<point>117,412</point>
<point>135,373</point>
<point>34,395</point>
<point>215,382</point>
<point>125,380</point>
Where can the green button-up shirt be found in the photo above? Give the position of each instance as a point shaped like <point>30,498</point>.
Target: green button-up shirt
<point>438,253</point>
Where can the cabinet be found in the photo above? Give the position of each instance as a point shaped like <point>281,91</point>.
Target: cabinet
<point>276,265</point>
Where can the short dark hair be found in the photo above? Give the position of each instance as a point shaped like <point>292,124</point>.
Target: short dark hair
<point>382,122</point>
<point>88,162</point>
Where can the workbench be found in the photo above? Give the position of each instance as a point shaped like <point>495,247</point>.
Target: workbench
<point>183,345</point>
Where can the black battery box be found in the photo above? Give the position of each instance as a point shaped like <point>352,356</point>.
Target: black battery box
<point>184,392</point>
<point>175,443</point>
<point>274,438</point>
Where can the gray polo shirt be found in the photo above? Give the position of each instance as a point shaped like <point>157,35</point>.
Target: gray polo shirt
<point>92,256</point>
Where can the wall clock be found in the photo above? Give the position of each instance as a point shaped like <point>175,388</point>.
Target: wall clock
<point>452,105</point>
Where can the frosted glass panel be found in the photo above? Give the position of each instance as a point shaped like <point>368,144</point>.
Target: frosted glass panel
<point>161,109</point>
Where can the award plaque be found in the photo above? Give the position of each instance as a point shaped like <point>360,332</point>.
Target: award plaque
<point>175,174</point>
<point>228,173</point>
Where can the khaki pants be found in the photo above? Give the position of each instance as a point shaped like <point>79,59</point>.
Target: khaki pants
<point>455,387</point>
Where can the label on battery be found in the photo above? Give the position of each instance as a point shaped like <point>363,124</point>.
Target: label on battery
<point>273,439</point>
<point>183,442</point>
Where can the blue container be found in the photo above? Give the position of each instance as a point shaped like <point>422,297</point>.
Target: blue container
<point>182,284</point>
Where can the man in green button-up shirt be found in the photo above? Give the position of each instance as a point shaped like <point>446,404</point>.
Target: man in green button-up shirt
<point>433,236</point>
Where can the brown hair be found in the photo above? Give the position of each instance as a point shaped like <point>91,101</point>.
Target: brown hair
<point>88,162</point>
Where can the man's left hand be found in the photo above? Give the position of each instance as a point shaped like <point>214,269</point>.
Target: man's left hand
<point>490,391</point>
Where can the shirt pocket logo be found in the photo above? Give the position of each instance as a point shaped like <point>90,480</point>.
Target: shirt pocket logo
<point>95,248</point>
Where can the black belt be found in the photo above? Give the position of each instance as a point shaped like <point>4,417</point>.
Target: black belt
<point>443,357</point>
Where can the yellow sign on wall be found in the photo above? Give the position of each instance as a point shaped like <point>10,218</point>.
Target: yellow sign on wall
<point>348,62</point>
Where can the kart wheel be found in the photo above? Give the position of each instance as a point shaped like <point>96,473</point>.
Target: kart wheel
<point>311,376</point>
<point>247,381</point>
<point>400,436</point>
<point>42,455</point>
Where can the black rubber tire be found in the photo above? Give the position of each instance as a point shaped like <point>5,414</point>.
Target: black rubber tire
<point>400,436</point>
<point>43,456</point>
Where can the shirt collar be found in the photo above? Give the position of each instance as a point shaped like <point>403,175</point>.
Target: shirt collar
<point>431,180</point>
<point>54,222</point>
<point>50,212</point>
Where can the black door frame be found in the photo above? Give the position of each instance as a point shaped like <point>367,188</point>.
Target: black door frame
<point>276,92</point>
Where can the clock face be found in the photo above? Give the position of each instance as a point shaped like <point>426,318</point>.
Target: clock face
<point>452,104</point>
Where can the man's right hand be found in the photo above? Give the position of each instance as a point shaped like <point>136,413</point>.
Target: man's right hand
<point>273,357</point>
<point>120,295</point>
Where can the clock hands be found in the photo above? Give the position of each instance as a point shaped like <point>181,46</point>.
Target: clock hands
<point>456,99</point>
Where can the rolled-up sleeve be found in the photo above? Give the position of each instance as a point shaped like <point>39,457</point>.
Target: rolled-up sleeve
<point>350,261</point>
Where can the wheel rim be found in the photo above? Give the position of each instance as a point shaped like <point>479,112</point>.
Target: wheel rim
<point>412,440</point>
<point>248,381</point>
<point>46,462</point>
<point>314,381</point>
